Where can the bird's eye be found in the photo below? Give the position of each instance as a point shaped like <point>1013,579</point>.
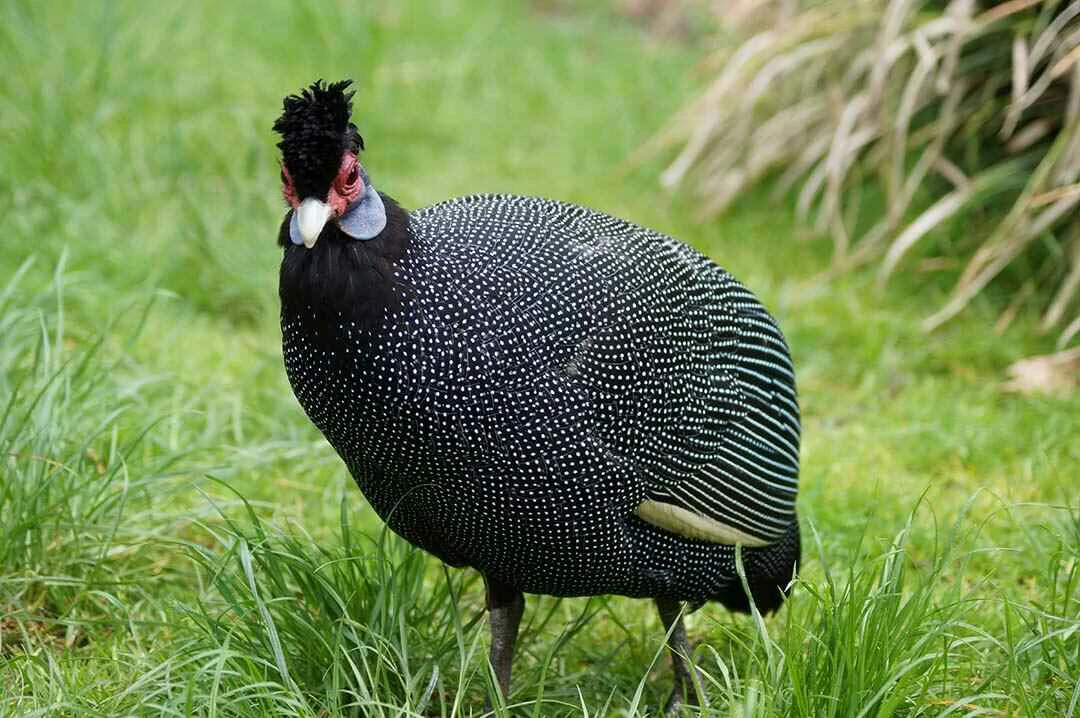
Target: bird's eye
<point>354,174</point>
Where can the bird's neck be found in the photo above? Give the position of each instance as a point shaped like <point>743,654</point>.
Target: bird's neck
<point>344,280</point>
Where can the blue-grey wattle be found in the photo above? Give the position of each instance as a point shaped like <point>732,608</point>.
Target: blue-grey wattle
<point>365,218</point>
<point>294,229</point>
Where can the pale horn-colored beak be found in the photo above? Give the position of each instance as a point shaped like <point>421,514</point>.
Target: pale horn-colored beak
<point>311,215</point>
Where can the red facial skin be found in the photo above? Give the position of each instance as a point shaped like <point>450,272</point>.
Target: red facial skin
<point>287,188</point>
<point>344,190</point>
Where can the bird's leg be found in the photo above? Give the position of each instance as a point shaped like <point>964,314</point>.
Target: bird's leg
<point>688,688</point>
<point>506,605</point>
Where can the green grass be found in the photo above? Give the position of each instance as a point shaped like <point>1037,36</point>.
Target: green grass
<point>176,539</point>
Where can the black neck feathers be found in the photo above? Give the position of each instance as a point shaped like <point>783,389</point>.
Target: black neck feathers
<point>341,279</point>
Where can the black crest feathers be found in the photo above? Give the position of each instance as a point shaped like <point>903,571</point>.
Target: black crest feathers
<point>315,131</point>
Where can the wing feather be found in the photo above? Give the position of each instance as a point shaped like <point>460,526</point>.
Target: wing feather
<point>739,482</point>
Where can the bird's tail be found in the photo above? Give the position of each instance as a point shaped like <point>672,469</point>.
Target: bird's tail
<point>769,573</point>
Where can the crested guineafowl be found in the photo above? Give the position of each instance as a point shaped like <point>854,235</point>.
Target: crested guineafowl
<point>569,403</point>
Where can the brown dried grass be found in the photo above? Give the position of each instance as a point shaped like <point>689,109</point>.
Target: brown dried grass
<point>950,110</point>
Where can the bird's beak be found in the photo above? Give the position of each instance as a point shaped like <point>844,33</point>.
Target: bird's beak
<point>311,215</point>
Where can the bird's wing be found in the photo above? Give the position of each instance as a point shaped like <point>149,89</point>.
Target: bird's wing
<point>693,385</point>
<point>729,473</point>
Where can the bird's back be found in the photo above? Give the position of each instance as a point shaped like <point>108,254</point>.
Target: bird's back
<point>552,369</point>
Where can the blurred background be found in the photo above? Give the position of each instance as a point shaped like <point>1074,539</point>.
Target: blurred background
<point>898,182</point>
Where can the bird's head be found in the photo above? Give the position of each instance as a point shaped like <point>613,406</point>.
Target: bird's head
<point>321,175</point>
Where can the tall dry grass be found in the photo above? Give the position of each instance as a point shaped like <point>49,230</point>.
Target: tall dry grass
<point>892,119</point>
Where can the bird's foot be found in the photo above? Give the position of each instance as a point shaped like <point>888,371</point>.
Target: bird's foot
<point>506,606</point>
<point>674,705</point>
<point>689,691</point>
<point>688,699</point>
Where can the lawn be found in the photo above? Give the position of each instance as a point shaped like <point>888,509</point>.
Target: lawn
<point>177,539</point>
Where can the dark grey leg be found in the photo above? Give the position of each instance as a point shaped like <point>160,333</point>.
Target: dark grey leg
<point>506,605</point>
<point>688,687</point>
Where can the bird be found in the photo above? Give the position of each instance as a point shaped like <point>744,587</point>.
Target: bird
<point>566,402</point>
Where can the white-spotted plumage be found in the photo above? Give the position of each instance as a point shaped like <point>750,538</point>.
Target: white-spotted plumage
<point>548,370</point>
